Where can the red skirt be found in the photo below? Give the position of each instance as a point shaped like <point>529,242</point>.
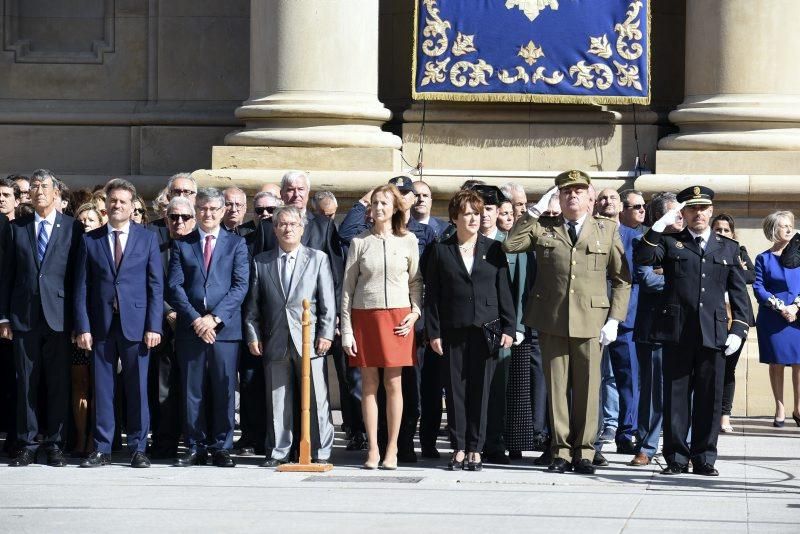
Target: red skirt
<point>376,343</point>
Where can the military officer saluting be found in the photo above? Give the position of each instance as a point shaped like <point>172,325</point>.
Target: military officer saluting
<point>699,267</point>
<point>570,308</point>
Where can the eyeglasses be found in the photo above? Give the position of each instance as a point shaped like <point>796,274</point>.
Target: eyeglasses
<point>288,226</point>
<point>37,185</point>
<point>636,207</point>
<point>182,192</point>
<point>209,209</point>
<point>175,217</point>
<point>234,205</point>
<point>139,211</point>
<point>268,209</point>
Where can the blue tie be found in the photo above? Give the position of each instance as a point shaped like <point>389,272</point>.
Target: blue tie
<point>41,241</point>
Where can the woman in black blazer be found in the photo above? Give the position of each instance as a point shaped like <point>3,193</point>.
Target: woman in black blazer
<point>467,286</point>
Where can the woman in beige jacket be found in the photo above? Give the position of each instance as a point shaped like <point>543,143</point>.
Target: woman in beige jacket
<point>381,298</point>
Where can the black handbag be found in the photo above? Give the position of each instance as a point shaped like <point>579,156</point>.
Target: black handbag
<point>790,257</point>
<point>493,334</point>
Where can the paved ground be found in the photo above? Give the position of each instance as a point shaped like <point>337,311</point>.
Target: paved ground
<point>758,491</point>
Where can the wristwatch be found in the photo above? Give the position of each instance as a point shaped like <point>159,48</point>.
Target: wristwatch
<point>217,320</point>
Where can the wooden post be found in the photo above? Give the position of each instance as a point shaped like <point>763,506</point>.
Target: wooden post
<point>305,464</point>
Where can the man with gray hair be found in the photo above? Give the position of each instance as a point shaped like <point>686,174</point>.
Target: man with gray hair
<point>178,185</point>
<point>207,284</point>
<point>516,194</point>
<point>280,280</point>
<point>324,204</point>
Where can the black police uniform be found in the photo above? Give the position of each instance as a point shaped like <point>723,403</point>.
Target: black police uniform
<point>693,327</point>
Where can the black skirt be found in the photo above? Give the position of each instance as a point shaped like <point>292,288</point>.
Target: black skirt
<point>519,415</point>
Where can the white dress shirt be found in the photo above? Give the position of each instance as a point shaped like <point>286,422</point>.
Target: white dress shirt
<point>48,228</point>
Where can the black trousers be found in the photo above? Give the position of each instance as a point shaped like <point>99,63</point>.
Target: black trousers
<point>430,367</point>
<point>42,353</point>
<point>693,377</point>
<point>252,399</point>
<point>496,410</point>
<point>164,394</point>
<point>8,395</point>
<point>538,391</point>
<point>467,375</point>
<point>729,383</point>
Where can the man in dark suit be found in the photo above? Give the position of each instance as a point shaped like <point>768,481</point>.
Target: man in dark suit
<point>208,277</point>
<point>699,268</point>
<point>178,185</point>
<point>164,376</point>
<point>119,308</point>
<point>35,315</point>
<point>8,382</point>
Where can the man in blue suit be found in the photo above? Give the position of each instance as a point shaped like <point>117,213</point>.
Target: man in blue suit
<point>119,307</point>
<point>35,313</point>
<point>209,273</point>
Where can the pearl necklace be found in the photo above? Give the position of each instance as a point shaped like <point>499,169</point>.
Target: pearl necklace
<point>465,249</point>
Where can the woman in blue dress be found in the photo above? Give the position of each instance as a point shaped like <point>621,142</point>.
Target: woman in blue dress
<point>777,290</point>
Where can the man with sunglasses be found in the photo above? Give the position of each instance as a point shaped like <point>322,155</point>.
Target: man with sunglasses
<point>164,383</point>
<point>633,210</point>
<point>178,185</point>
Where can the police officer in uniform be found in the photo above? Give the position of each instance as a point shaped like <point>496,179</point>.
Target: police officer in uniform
<point>570,309</point>
<point>699,267</point>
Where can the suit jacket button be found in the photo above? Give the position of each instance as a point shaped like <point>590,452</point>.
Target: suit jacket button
<point>701,304</point>
<point>571,291</point>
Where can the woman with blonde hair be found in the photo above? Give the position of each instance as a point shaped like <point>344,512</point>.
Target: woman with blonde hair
<point>381,299</point>
<point>777,290</point>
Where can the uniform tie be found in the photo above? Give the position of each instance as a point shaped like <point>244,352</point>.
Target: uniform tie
<point>41,241</point>
<point>573,234</point>
<point>699,241</point>
<point>117,249</point>
<point>207,252</point>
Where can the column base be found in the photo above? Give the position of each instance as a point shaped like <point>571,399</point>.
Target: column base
<point>734,162</point>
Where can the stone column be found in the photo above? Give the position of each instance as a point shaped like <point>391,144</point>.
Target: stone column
<point>742,77</point>
<point>314,76</point>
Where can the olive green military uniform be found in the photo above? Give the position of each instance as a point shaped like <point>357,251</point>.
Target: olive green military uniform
<point>569,305</point>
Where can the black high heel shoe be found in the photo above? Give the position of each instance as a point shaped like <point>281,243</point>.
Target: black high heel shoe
<point>453,464</point>
<point>475,466</point>
<point>796,418</point>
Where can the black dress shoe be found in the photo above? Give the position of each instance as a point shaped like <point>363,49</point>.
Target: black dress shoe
<point>545,459</point>
<point>626,446</point>
<point>191,458</point>
<point>560,465</point>
<point>584,467</point>
<point>55,458</point>
<point>515,455</point>
<point>456,465</point>
<point>599,460</point>
<point>140,460</point>
<point>222,458</point>
<point>430,452</point>
<point>474,466</point>
<point>407,457</point>
<point>96,459</point>
<point>499,458</point>
<point>246,451</point>
<point>674,469</point>
<point>24,457</point>
<point>706,470</point>
<point>273,462</point>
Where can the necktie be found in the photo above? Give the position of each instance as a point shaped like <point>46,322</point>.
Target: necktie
<point>573,234</point>
<point>117,249</point>
<point>699,241</point>
<point>41,241</point>
<point>207,251</point>
<point>285,276</point>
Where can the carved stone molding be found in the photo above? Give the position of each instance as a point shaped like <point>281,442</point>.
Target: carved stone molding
<point>29,49</point>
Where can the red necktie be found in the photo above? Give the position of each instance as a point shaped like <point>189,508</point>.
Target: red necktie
<point>207,251</point>
<point>117,249</point>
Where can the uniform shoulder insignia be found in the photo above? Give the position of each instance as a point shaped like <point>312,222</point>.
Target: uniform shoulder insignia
<point>604,218</point>
<point>725,238</point>
<point>550,222</point>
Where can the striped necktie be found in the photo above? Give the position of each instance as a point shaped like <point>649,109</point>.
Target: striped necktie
<point>41,240</point>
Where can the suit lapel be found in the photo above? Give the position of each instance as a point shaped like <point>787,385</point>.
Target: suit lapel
<point>32,236</point>
<point>303,257</point>
<point>714,242</point>
<point>104,244</point>
<point>561,232</point>
<point>54,236</point>
<point>133,238</point>
<point>272,270</point>
<point>219,248</point>
<point>688,242</point>
<point>197,247</point>
<point>588,232</point>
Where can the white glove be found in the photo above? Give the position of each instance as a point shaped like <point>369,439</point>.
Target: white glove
<point>732,344</point>
<point>540,207</point>
<point>519,337</point>
<point>668,218</point>
<point>608,334</point>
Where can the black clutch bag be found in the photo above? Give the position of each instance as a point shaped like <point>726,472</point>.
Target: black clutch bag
<point>790,257</point>
<point>493,335</point>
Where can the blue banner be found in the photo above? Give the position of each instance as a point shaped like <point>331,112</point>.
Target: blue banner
<point>560,51</point>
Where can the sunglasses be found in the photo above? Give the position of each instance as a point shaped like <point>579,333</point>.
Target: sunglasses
<point>186,192</point>
<point>175,217</point>
<point>636,207</point>
<point>270,210</point>
<point>139,211</point>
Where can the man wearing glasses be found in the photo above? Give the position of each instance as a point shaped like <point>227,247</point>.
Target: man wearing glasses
<point>235,210</point>
<point>633,210</point>
<point>179,185</point>
<point>164,382</point>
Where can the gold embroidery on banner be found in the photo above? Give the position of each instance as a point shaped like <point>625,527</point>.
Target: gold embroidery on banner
<point>435,72</point>
<point>476,77</point>
<point>599,46</point>
<point>464,44</point>
<point>530,53</point>
<point>532,8</point>
<point>585,77</point>
<point>435,26</point>
<point>628,75</point>
<point>505,77</point>
<point>629,31</point>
